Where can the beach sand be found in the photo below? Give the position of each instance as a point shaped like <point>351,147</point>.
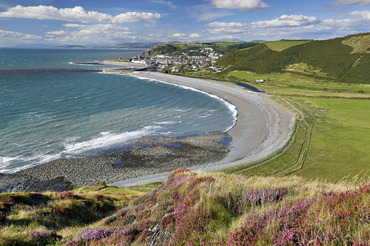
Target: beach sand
<point>262,128</point>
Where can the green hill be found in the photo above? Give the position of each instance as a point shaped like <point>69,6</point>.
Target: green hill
<point>196,48</point>
<point>344,59</point>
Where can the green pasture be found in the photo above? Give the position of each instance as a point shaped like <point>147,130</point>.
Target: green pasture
<point>248,76</point>
<point>331,142</point>
<point>340,143</point>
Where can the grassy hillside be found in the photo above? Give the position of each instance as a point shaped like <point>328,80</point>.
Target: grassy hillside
<point>284,44</point>
<point>46,218</point>
<point>344,59</point>
<point>194,49</point>
<point>192,208</point>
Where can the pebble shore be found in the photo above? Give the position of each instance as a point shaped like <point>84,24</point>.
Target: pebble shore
<point>160,154</point>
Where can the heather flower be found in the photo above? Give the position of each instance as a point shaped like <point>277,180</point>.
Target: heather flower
<point>39,237</point>
<point>92,234</point>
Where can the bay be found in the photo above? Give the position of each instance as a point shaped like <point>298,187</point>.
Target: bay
<point>52,108</point>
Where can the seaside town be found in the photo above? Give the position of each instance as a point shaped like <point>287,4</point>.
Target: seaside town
<point>184,62</point>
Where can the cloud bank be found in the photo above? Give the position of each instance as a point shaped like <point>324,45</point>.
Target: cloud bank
<point>293,26</point>
<point>351,2</point>
<point>243,5</point>
<point>76,14</point>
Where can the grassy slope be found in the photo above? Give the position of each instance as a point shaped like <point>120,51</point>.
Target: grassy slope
<point>328,59</point>
<point>42,218</point>
<point>284,44</point>
<point>217,209</point>
<point>195,208</point>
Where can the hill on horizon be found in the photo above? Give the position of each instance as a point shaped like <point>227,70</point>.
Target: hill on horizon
<point>345,59</point>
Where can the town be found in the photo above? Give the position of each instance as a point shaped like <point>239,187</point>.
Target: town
<point>206,61</point>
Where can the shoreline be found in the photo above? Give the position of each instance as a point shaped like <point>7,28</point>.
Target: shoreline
<point>262,128</point>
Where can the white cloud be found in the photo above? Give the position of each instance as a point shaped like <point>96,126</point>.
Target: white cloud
<point>225,28</point>
<point>244,5</point>
<point>351,2</point>
<point>293,26</point>
<point>226,24</point>
<point>365,15</point>
<point>178,35</point>
<point>76,14</point>
<point>9,37</point>
<point>89,34</point>
<point>61,32</point>
<point>194,35</point>
<point>168,3</point>
<point>211,16</point>
<point>73,25</point>
<point>286,21</point>
<point>135,17</point>
<point>49,12</point>
<point>185,36</point>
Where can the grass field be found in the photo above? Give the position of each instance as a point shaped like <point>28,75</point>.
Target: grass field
<point>248,76</point>
<point>331,141</point>
<point>340,142</point>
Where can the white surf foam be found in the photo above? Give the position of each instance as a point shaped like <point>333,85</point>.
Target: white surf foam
<point>107,139</point>
<point>230,106</point>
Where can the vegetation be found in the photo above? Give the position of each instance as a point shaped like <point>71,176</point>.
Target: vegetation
<point>46,218</point>
<point>330,141</point>
<point>284,44</point>
<point>195,49</point>
<point>193,208</point>
<point>342,59</point>
<point>248,76</point>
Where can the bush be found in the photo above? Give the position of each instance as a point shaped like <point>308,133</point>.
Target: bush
<point>2,218</point>
<point>93,234</point>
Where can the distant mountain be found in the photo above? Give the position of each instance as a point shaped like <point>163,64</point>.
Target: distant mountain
<point>143,46</point>
<point>345,59</point>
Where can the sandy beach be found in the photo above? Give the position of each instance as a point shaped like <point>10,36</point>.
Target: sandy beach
<point>262,128</point>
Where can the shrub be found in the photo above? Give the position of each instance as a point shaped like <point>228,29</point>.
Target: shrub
<point>238,203</point>
<point>2,218</point>
<point>331,219</point>
<point>42,238</point>
<point>63,211</point>
<point>68,195</point>
<point>93,234</point>
<point>100,197</point>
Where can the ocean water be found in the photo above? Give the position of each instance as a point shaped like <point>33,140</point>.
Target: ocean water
<point>51,108</point>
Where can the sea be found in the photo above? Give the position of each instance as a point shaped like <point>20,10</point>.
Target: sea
<point>52,107</point>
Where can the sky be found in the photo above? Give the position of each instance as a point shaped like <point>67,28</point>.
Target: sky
<point>102,22</point>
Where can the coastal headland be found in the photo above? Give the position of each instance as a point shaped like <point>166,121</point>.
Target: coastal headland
<point>262,128</point>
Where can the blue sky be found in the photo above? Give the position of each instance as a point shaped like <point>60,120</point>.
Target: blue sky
<point>81,22</point>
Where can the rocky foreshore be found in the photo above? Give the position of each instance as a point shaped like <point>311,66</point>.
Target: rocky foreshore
<point>156,155</point>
